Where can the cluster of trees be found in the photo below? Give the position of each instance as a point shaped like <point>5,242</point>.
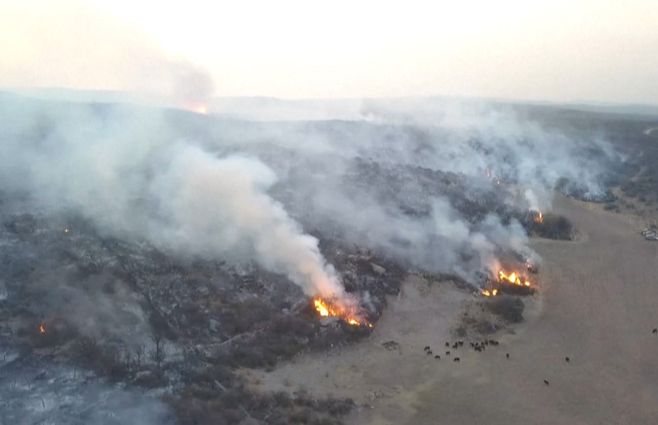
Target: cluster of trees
<point>552,227</point>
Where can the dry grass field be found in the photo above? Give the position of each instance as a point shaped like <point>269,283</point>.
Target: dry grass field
<point>598,306</point>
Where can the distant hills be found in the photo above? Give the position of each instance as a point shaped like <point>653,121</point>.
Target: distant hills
<point>276,109</point>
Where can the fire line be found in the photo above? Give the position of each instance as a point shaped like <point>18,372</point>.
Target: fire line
<point>328,309</point>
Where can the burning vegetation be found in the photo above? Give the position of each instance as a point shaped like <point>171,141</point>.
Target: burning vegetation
<point>549,226</point>
<point>512,278</point>
<point>490,293</point>
<point>221,317</point>
<point>513,282</point>
<point>349,315</point>
<point>536,216</point>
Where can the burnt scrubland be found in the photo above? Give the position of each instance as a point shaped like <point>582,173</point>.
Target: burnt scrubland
<point>110,281</point>
<point>135,315</point>
<point>630,135</point>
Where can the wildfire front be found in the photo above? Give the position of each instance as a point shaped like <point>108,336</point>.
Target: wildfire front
<point>350,315</point>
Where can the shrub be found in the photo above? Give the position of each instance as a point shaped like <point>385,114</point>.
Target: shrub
<point>553,227</point>
<point>509,308</point>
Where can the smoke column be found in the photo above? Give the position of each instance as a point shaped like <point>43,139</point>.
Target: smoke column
<point>124,169</point>
<point>216,205</point>
<point>136,174</point>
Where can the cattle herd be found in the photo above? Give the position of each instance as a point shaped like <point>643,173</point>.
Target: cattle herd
<point>478,346</point>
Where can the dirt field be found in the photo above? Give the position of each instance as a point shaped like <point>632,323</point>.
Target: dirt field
<point>598,306</point>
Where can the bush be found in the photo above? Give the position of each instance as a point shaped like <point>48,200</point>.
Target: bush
<point>553,227</point>
<point>509,308</point>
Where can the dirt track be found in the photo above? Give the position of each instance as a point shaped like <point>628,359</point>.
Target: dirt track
<point>598,306</point>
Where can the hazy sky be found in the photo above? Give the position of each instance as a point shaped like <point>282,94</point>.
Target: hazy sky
<point>601,50</point>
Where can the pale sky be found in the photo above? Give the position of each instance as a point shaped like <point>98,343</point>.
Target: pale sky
<point>596,50</point>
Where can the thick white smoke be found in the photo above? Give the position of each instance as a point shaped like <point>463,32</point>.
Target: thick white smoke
<point>217,207</point>
<point>123,169</point>
<point>471,137</point>
<point>492,149</point>
<point>532,200</point>
<point>216,188</point>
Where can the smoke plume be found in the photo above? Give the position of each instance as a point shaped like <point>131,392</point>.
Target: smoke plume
<point>416,180</point>
<point>122,169</point>
<point>217,207</point>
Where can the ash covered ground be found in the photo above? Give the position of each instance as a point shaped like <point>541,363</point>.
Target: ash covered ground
<point>150,256</point>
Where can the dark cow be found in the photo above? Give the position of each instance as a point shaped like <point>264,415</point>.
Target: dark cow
<point>456,359</point>
<point>546,382</point>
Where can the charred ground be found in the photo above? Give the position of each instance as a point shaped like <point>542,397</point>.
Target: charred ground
<point>180,329</point>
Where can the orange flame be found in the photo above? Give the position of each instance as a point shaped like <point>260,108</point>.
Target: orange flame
<point>512,278</point>
<point>323,308</point>
<point>537,216</point>
<point>489,293</point>
<point>348,315</point>
<point>42,328</point>
<point>196,107</point>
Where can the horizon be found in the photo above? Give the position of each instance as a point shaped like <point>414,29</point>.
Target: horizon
<point>36,91</point>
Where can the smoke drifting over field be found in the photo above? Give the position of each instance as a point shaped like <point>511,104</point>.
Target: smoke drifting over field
<point>250,192</point>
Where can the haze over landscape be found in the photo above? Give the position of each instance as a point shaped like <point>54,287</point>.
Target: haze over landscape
<point>585,50</point>
<point>328,213</point>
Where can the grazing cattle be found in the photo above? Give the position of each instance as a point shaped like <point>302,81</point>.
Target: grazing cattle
<point>546,381</point>
<point>447,344</point>
<point>567,359</point>
<point>447,353</point>
<point>654,331</point>
<point>455,345</point>
<point>437,357</point>
<point>478,349</point>
<point>456,359</point>
<point>507,355</point>
<point>427,347</point>
<point>461,343</point>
